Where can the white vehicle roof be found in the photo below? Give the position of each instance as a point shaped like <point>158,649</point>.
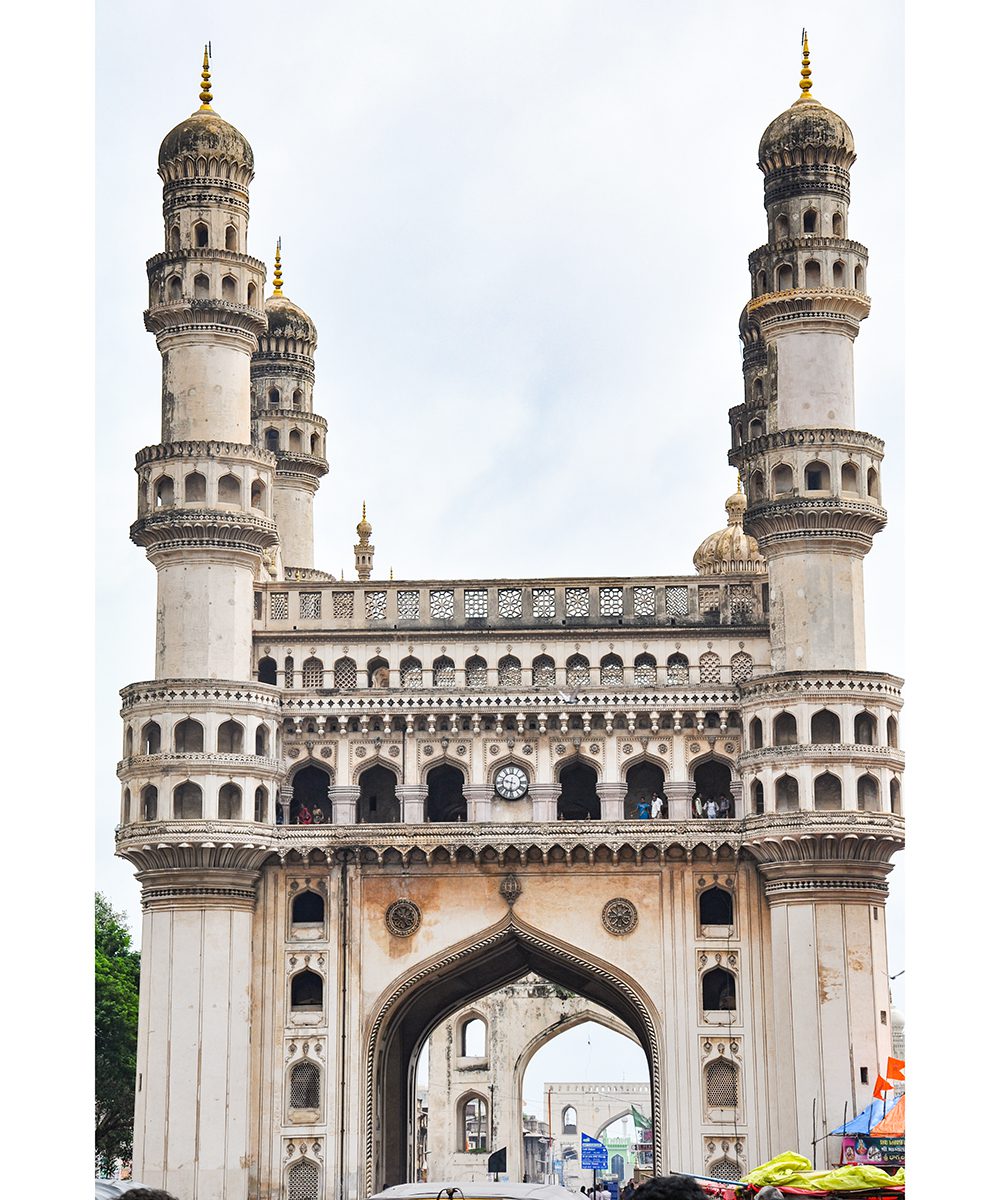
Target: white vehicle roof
<point>472,1190</point>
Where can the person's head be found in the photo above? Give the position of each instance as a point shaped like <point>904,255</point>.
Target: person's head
<point>670,1187</point>
<point>770,1193</point>
<point>145,1193</point>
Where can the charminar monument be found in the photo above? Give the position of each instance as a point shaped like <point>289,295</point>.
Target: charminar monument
<point>354,808</point>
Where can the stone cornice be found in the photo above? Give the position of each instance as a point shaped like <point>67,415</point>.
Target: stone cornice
<point>806,242</point>
<point>263,415</point>
<point>841,752</point>
<point>791,439</point>
<point>854,523</point>
<point>186,528</point>
<point>811,304</point>
<point>209,254</point>
<point>214,694</point>
<point>208,315</point>
<point>205,762</point>
<point>224,450</point>
<point>307,575</point>
<point>814,685</point>
<point>301,466</point>
<point>403,700</point>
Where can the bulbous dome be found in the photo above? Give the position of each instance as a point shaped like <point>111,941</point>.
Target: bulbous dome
<point>287,320</point>
<point>805,133</point>
<point>206,135</point>
<point>731,551</point>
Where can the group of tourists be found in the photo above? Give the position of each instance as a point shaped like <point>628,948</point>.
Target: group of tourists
<point>712,808</point>
<point>649,806</point>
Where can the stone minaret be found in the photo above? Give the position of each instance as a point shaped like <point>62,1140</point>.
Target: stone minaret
<point>364,551</point>
<point>821,731</point>
<point>283,376</point>
<point>200,740</point>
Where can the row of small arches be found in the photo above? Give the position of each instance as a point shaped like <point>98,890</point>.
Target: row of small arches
<point>827,794</point>
<point>200,237</point>
<point>824,730</point>
<point>202,289</point>
<point>296,441</point>
<point>189,738</point>
<point>811,276</point>
<point>189,167</point>
<point>510,671</point>
<point>187,803</point>
<point>810,224</point>
<point>815,477</point>
<point>274,399</point>
<point>229,490</point>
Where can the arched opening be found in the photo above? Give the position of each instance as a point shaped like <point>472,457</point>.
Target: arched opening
<point>149,798</point>
<point>308,908</point>
<point>849,479</point>
<point>757,793</point>
<point>445,794</point>
<point>509,671</point>
<point>303,1087</point>
<point>839,274</point>
<point>443,672</point>
<point>824,728</point>
<point>761,284</point>
<point>713,782</point>
<point>784,277</point>
<point>295,441</point>
<point>612,671</point>
<point>472,1041</point>
<point>577,671</point>
<point>345,674</point>
<point>543,671</point>
<point>312,674</point>
<point>229,288</point>
<point>645,788</point>
<point>187,802</point>
<point>274,398</point>
<point>257,493</point>
<point>311,797</point>
<point>315,445</point>
<point>194,487</point>
<point>827,793</point>
<point>229,490</point>
<point>756,732</point>
<point>378,673</point>
<point>895,797</point>
<point>149,738</point>
<point>864,729</point>
<point>781,227</point>
<point>757,487</point>
<point>189,737</point>
<point>817,477</point>
<point>175,289</point>
<point>260,804</point>
<point>297,398</point>
<point>303,1180</point>
<point>715,907</point>
<point>756,431</point>
<point>678,670</point>
<point>267,671</point>
<point>838,224</point>
<point>786,794</point>
<point>230,802</point>
<point>718,990</point>
<point>786,730</point>
<point>812,274</point>
<point>721,1080</point>
<point>475,672</point>
<point>411,673</point>
<point>868,794</point>
<point>164,491</point>
<point>710,667</point>
<point>201,287</point>
<point>473,1125</point>
<point>377,801</point>
<point>200,233</point>
<point>129,741</point>
<point>271,440</point>
<point>569,1119</point>
<point>307,992</point>
<point>809,218</point>
<point>645,670</point>
<point>782,480</point>
<point>252,295</point>
<point>873,483</point>
<point>892,732</point>
<point>859,278</point>
<point>232,238</point>
<point>174,240</point>
<point>578,799</point>
<point>230,738</point>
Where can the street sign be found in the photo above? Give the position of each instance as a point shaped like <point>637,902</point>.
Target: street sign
<point>593,1154</point>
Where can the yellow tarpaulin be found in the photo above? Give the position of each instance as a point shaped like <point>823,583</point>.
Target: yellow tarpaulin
<point>792,1170</point>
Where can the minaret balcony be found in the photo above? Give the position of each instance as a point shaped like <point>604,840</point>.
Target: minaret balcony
<point>185,316</point>
<point>187,528</point>
<point>840,305</point>
<point>795,515</point>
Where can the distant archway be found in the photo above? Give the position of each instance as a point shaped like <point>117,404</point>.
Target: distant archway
<point>446,794</point>
<point>377,801</point>
<point>578,799</point>
<point>645,782</point>
<point>311,797</point>
<point>713,779</point>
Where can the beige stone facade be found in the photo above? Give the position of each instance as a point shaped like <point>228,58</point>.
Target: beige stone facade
<point>356,808</point>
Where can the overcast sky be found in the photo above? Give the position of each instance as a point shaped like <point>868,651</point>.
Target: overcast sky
<point>522,231</point>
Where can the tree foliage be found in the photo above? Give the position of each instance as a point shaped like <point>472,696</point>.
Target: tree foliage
<point>116,1028</point>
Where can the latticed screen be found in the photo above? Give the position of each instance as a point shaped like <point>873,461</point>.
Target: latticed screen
<point>742,665</point>
<point>343,605</point>
<point>509,672</point>
<point>375,606</point>
<point>677,669</point>
<point>612,672</point>
<point>645,670</point>
<point>612,602</point>
<point>312,673</point>
<point>509,601</point>
<point>644,601</point>
<point>410,673</point>
<point>408,605</point>
<point>577,671</point>
<point>303,1181</point>
<point>677,602</point>
<point>309,605</point>
<point>475,672</point>
<point>741,600</point>
<point>279,606</point>
<point>304,1086</point>
<point>725,1168</point>
<point>345,674</point>
<point>543,672</point>
<point>708,599</point>
<point>720,1084</point>
<point>710,666</point>
<point>475,604</point>
<point>442,605</point>
<point>577,602</point>
<point>543,602</point>
<point>289,672</point>
<point>444,672</point>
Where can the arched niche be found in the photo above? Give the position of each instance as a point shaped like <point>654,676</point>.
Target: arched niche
<point>446,794</point>
<point>578,799</point>
<point>645,781</point>
<point>377,799</point>
<point>310,796</point>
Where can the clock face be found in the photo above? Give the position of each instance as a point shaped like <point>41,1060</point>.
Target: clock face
<point>511,783</point>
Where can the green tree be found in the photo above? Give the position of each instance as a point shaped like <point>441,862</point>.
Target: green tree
<point>116,1028</point>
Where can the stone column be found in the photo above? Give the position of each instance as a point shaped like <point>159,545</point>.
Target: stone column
<point>193,1054</point>
<point>285,793</point>
<point>736,787</point>
<point>612,797</point>
<point>411,802</point>
<point>479,798</point>
<point>679,795</point>
<point>544,800</point>
<point>344,803</point>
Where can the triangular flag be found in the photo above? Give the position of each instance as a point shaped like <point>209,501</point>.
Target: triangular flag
<point>640,1119</point>
<point>881,1087</point>
<point>895,1069</point>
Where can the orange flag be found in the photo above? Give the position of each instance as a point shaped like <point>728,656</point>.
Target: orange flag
<point>895,1069</point>
<point>881,1087</point>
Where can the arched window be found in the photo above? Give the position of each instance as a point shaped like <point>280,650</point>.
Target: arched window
<point>895,798</point>
<point>849,478</point>
<point>725,1168</point>
<point>295,441</point>
<point>200,233</point>
<point>314,444</point>
<point>892,732</point>
<point>839,274</point>
<point>129,741</point>
<point>175,289</point>
<point>782,480</point>
<point>809,221</point>
<point>201,287</point>
<point>577,671</point>
<point>612,670</point>
<point>757,791</point>
<point>812,274</point>
<point>229,288</point>
<point>543,672</point>
<point>378,673</point>
<point>721,1084</point>
<point>786,794</point>
<point>868,794</point>
<point>308,908</point>
<point>345,674</point>
<point>377,799</point>
<point>824,728</point>
<point>164,491</point>
<point>267,671</point>
<point>859,278</point>
<point>827,793</point>
<point>678,670</point>
<point>713,779</point>
<point>187,802</point>
<point>784,277</point>
<point>473,1038</point>
<point>230,738</point>
<point>252,295</point>
<point>289,671</point>
<point>303,1086</point>
<point>718,990</point>
<point>644,782</point>
<point>189,737</point>
<point>303,1180</point>
<point>715,907</point>
<point>272,440</point>
<point>307,992</point>
<point>578,799</point>
<point>443,672</point>
<point>475,672</point>
<point>756,734</point>
<point>838,224</point>
<point>741,664</point>
<point>312,674</point>
<point>148,798</point>
<point>446,794</point>
<point>297,398</point>
<point>569,1119</point>
<point>274,398</point>
<point>229,490</point>
<point>761,282</point>
<point>194,487</point>
<point>473,1131</point>
<point>175,237</point>
<point>232,238</point>
<point>257,493</point>
<point>873,483</point>
<point>710,667</point>
<point>757,486</point>
<point>645,670</point>
<point>509,671</point>
<point>230,802</point>
<point>786,730</point>
<point>817,477</point>
<point>149,738</point>
<point>411,673</point>
<point>781,228</point>
<point>260,804</point>
<point>864,729</point>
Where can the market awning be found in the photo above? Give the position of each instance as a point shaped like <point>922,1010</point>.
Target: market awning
<point>894,1123</point>
<point>865,1121</point>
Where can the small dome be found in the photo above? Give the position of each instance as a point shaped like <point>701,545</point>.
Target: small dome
<point>364,526</point>
<point>287,320</point>
<point>808,132</point>
<point>731,551</point>
<point>206,135</point>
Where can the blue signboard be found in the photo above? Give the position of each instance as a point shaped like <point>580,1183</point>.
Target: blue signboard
<point>593,1154</point>
<point>612,1186</point>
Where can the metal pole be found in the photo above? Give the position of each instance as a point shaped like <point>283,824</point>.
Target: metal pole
<point>814,1133</point>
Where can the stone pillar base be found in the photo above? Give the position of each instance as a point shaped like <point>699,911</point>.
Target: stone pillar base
<point>411,802</point>
<point>344,803</point>
<point>679,797</point>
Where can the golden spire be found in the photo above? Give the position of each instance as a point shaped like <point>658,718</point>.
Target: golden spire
<point>391,576</point>
<point>277,269</point>
<point>206,81</point>
<point>804,83</point>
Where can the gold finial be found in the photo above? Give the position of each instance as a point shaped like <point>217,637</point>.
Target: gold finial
<point>391,576</point>
<point>277,269</point>
<point>364,508</point>
<point>206,81</point>
<point>804,83</point>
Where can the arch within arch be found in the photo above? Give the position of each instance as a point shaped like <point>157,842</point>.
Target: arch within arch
<point>443,984</point>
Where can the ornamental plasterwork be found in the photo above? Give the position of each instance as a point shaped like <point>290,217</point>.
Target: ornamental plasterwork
<point>644,601</point>
<point>678,602</point>
<point>619,916</point>
<point>408,605</point>
<point>475,603</point>
<point>375,605</point>
<point>343,606</point>
<point>279,606</point>
<point>543,603</point>
<point>402,918</point>
<point>442,604</point>
<point>612,602</point>
<point>510,602</point>
<point>578,602</point>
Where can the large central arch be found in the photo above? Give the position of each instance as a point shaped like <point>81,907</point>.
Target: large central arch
<point>410,1008</point>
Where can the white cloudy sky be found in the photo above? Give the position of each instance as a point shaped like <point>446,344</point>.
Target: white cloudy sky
<point>522,231</point>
